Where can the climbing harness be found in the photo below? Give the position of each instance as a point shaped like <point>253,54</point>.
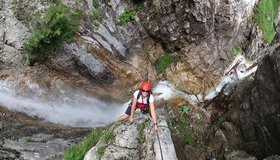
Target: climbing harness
<point>145,108</point>
<point>148,97</point>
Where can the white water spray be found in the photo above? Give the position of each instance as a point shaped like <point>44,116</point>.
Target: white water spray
<point>166,90</point>
<point>75,109</point>
<point>239,69</point>
<point>79,110</point>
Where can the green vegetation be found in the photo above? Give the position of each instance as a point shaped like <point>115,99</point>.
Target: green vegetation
<point>60,24</point>
<point>106,136</point>
<point>95,3</point>
<point>182,125</point>
<point>141,139</point>
<point>101,150</point>
<point>141,127</point>
<point>164,61</point>
<point>188,139</point>
<point>127,16</point>
<point>183,128</point>
<point>236,50</point>
<point>154,12</point>
<point>253,56</point>
<point>78,151</point>
<point>95,17</point>
<point>218,123</point>
<point>198,120</point>
<point>266,12</point>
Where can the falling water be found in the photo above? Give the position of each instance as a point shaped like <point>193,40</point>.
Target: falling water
<point>239,69</point>
<point>77,109</point>
<point>165,90</point>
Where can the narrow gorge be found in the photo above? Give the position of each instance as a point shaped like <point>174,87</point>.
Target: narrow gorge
<point>68,70</point>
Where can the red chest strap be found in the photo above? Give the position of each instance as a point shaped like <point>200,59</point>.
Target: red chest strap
<point>140,105</point>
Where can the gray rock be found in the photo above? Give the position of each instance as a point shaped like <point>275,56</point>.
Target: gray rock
<point>274,157</point>
<point>257,104</point>
<point>39,147</point>
<point>115,152</point>
<point>239,155</point>
<point>126,143</point>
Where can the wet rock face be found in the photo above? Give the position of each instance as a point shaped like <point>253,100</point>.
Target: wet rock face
<point>86,63</point>
<point>257,106</point>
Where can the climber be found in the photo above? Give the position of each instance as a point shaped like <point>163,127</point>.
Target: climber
<point>143,100</point>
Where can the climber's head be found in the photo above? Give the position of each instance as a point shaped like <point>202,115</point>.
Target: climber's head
<point>146,87</point>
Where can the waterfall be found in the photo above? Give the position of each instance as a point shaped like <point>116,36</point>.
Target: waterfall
<point>239,69</point>
<point>165,90</point>
<point>76,109</point>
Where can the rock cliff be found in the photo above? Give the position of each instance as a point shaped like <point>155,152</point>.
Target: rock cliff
<point>256,105</point>
<point>199,35</point>
<point>109,59</point>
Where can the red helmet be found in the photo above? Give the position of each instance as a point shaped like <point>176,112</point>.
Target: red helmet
<point>146,86</point>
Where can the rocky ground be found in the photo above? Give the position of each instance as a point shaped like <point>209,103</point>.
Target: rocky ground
<point>23,137</point>
<point>196,133</point>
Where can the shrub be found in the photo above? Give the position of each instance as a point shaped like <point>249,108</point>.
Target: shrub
<point>164,62</point>
<point>95,17</point>
<point>60,24</point>
<point>95,3</point>
<point>127,15</point>
<point>188,139</point>
<point>236,51</point>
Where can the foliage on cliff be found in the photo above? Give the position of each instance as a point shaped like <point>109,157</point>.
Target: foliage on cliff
<point>60,24</point>
<point>266,13</point>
